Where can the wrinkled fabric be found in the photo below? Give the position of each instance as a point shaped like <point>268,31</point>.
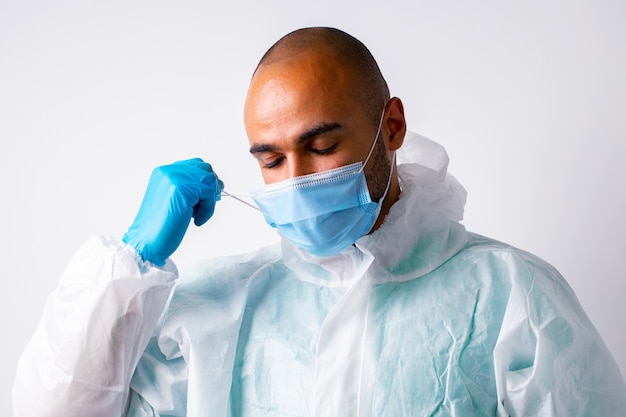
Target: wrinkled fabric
<point>420,318</point>
<point>95,323</point>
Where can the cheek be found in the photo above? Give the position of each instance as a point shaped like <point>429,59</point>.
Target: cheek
<point>273,175</point>
<point>327,163</point>
<point>268,177</point>
<point>345,155</point>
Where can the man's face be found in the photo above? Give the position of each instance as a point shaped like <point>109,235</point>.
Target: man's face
<point>302,116</point>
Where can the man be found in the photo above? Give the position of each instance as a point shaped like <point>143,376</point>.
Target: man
<point>376,303</point>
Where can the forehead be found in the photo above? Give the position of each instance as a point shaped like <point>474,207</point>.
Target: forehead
<point>307,87</point>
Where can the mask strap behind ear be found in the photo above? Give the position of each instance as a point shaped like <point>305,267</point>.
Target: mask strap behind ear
<point>393,160</point>
<point>380,124</point>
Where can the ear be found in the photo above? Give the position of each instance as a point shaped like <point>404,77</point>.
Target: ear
<point>395,124</point>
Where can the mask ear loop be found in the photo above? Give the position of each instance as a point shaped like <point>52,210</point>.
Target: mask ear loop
<point>393,158</point>
<point>380,124</point>
<point>224,193</point>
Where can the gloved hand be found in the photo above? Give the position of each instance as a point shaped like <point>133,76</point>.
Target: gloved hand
<point>175,194</point>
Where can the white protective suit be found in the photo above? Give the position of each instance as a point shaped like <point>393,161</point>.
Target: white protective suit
<point>420,318</point>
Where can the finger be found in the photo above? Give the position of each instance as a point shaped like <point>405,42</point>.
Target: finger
<point>210,193</point>
<point>211,179</point>
<point>218,195</point>
<point>203,211</point>
<point>197,163</point>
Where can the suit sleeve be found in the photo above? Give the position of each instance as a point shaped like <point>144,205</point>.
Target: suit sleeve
<point>95,326</point>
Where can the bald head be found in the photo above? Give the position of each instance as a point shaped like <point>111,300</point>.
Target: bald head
<point>370,88</point>
<point>316,102</point>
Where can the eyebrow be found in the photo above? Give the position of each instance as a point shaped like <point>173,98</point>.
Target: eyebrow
<point>316,130</point>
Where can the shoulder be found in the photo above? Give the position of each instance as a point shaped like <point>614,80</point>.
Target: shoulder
<point>537,294</point>
<point>219,283</point>
<point>485,246</point>
<point>527,276</point>
<point>221,276</point>
<point>209,289</point>
<point>503,256</point>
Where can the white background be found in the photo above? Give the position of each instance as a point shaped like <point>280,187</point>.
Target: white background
<point>529,98</point>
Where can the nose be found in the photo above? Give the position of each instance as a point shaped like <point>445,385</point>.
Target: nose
<point>298,166</point>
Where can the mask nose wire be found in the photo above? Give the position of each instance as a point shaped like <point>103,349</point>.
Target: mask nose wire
<point>380,124</point>
<point>224,193</point>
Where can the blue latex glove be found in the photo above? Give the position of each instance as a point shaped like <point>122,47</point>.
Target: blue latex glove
<point>176,193</point>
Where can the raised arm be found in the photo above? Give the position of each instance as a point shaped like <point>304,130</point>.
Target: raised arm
<point>98,321</point>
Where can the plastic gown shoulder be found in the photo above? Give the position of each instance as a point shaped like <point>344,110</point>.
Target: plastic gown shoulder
<point>549,360</point>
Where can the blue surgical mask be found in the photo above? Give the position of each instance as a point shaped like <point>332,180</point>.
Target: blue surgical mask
<point>324,212</point>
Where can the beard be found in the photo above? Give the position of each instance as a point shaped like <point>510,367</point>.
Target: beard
<point>379,174</point>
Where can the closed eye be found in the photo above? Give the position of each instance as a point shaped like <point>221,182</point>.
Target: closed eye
<point>273,163</point>
<point>324,151</point>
